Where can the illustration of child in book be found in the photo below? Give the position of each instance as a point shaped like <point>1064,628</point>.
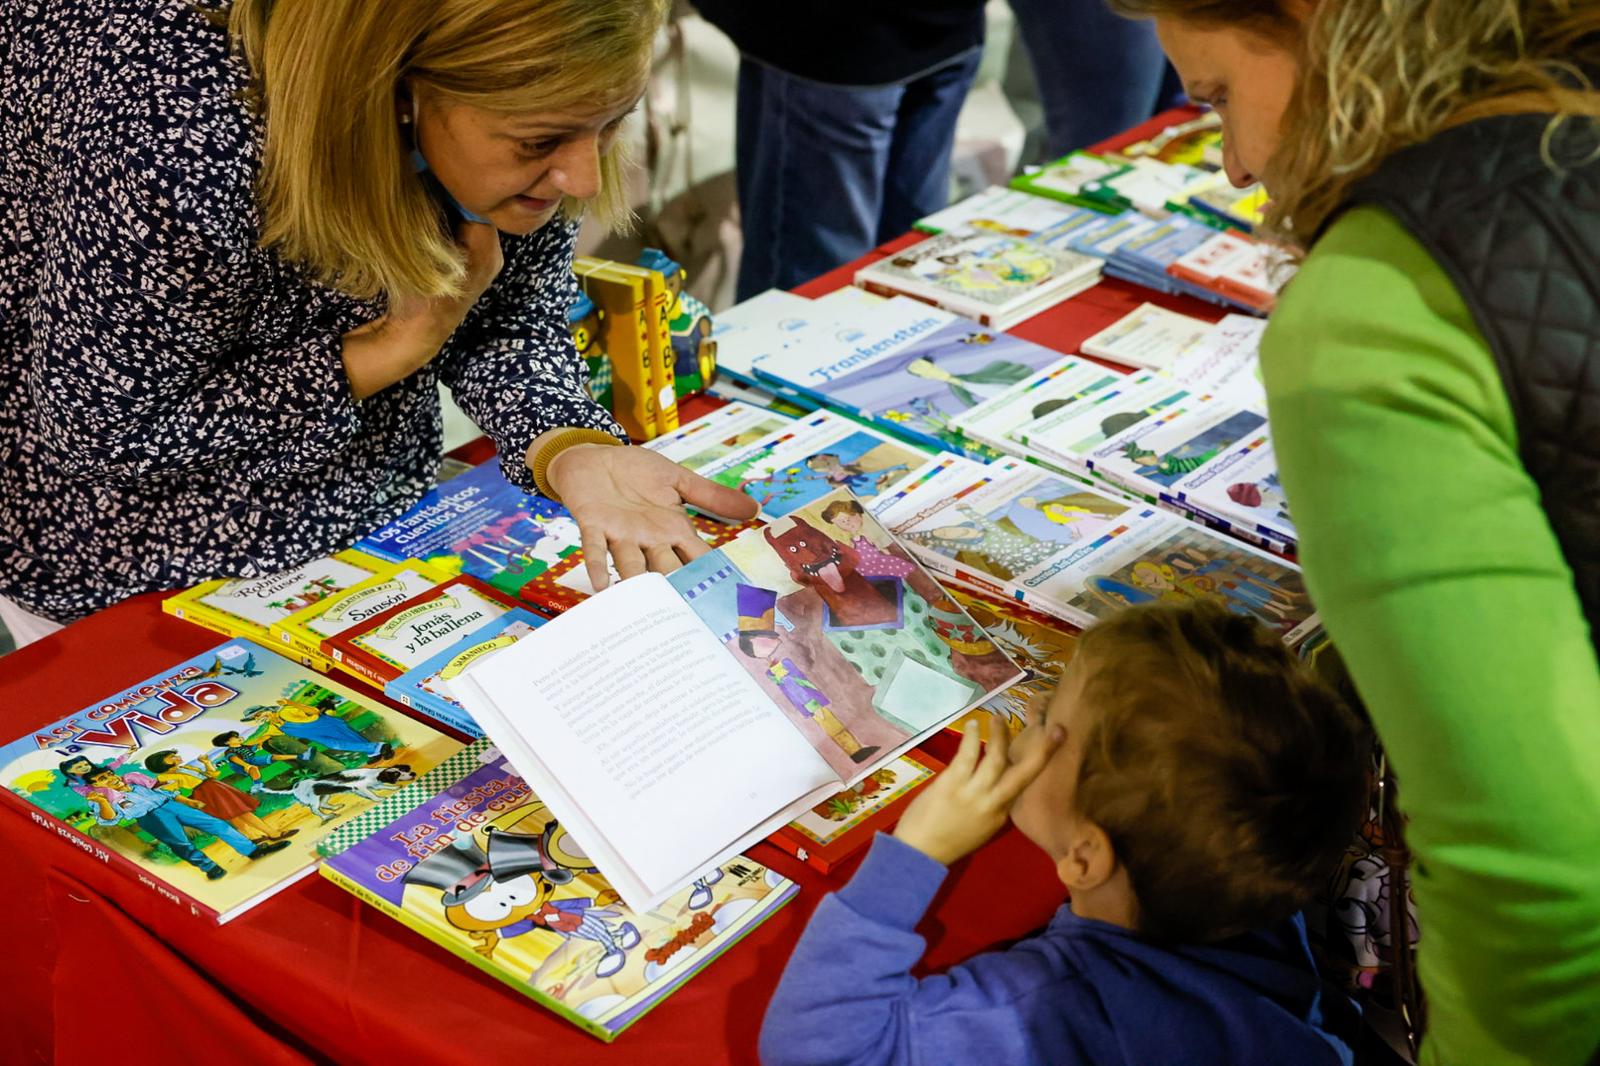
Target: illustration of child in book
<point>1070,514</point>
<point>116,798</point>
<point>206,789</point>
<point>314,725</point>
<point>857,476</point>
<point>759,639</point>
<point>248,759</point>
<point>996,547</point>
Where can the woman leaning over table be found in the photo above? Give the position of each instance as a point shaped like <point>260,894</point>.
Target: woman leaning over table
<point>1434,379</point>
<point>240,245</point>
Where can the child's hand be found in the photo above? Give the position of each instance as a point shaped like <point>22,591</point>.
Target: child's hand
<point>969,801</point>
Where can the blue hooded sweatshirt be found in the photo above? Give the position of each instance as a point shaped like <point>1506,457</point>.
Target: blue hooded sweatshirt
<point>1080,992</point>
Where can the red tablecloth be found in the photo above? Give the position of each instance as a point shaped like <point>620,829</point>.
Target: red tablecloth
<point>98,968</point>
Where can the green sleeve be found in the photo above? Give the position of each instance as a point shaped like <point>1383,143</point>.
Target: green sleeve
<point>1441,581</point>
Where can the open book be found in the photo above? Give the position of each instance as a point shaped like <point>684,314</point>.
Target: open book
<point>670,722</point>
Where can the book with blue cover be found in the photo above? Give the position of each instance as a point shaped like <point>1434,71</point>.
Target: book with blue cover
<point>426,687</point>
<point>910,369</point>
<point>481,525</point>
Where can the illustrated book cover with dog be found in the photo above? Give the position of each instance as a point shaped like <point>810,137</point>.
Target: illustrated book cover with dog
<point>213,781</point>
<point>995,279</point>
<point>844,824</point>
<point>481,525</point>
<point>249,606</point>
<point>671,721</point>
<point>485,869</point>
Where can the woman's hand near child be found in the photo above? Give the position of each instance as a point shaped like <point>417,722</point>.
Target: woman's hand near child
<point>970,799</point>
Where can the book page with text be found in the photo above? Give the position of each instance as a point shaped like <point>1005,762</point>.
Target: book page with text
<point>655,737</point>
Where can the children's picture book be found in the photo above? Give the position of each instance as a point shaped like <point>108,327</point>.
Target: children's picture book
<point>426,688</point>
<point>748,332</point>
<point>993,278</point>
<point>671,721</point>
<point>485,869</point>
<point>998,209</point>
<point>1057,387</point>
<point>481,525</point>
<point>567,584</point>
<point>306,629</point>
<point>1240,489</point>
<point>1149,338</point>
<point>1148,185</point>
<point>724,430</point>
<point>249,606</point>
<point>414,630</point>
<point>909,368</point>
<point>213,781</point>
<point>1077,553</point>
<point>811,457</point>
<point>843,824</point>
<point>1149,457</point>
<point>1067,437</point>
<point>1041,645</point>
<point>1066,178</point>
<point>1244,208</point>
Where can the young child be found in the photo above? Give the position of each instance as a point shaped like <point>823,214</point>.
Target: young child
<point>1193,787</point>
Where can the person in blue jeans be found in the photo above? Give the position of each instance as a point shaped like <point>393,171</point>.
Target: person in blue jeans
<point>118,798</point>
<point>846,120</point>
<point>1098,73</point>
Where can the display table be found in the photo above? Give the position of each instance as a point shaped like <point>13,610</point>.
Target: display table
<point>100,968</point>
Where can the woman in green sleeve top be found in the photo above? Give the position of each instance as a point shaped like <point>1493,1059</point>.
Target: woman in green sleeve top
<point>1434,379</point>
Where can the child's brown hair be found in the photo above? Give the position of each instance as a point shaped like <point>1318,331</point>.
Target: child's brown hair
<point>1228,778</point>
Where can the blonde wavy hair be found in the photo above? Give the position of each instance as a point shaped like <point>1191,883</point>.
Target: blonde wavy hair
<point>1377,76</point>
<point>337,191</point>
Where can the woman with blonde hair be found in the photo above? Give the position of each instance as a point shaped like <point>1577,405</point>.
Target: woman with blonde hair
<point>1433,373</point>
<point>240,246</point>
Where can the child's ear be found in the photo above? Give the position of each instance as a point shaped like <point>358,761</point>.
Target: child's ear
<point>1089,861</point>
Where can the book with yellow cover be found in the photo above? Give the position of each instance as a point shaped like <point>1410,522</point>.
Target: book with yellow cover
<point>306,629</point>
<point>625,318</point>
<point>247,606</point>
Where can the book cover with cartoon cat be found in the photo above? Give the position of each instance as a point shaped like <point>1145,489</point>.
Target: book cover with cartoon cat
<point>213,781</point>
<point>485,870</point>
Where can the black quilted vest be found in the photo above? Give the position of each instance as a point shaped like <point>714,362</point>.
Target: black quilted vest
<point>1521,241</point>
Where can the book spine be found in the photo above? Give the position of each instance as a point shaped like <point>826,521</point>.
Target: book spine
<point>663,369</point>
<point>461,950</point>
<point>359,665</point>
<point>197,617</point>
<point>879,288</point>
<point>95,850</point>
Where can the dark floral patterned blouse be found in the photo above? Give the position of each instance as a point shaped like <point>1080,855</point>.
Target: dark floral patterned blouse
<point>172,402</point>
